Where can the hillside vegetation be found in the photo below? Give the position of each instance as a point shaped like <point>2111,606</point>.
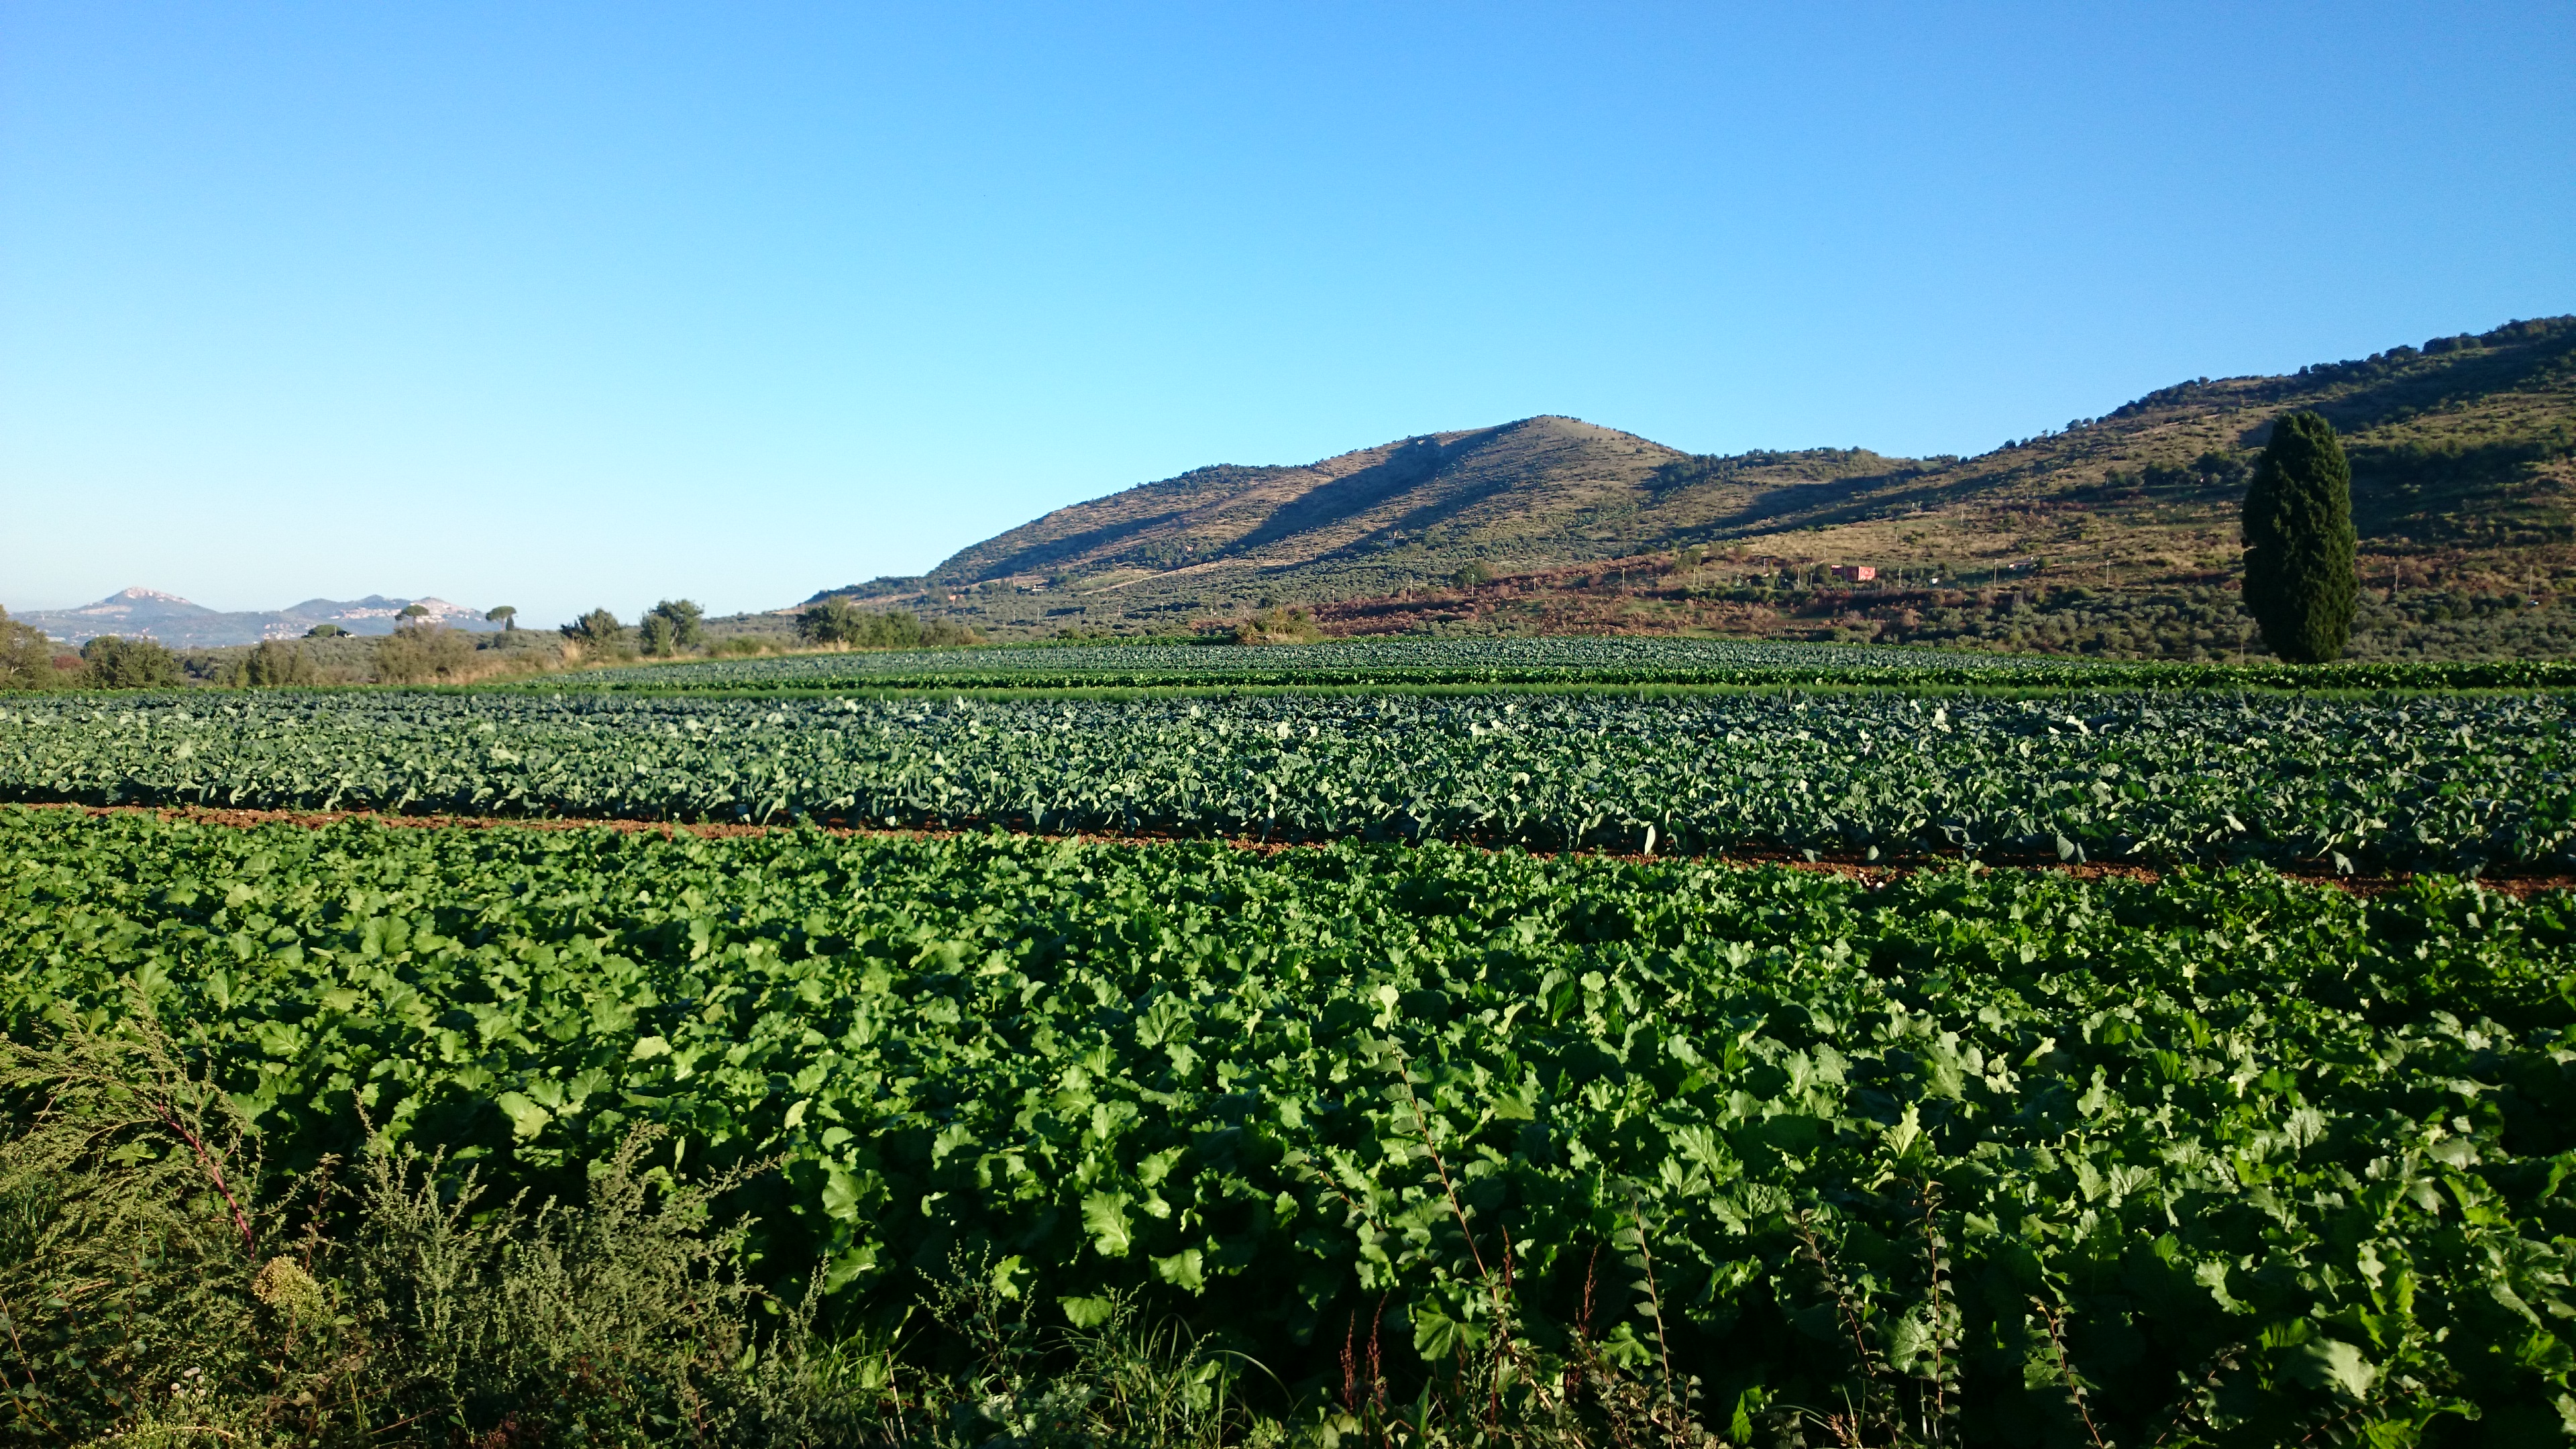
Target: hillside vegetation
<point>2464,464</point>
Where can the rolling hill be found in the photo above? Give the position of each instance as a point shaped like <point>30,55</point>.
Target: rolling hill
<point>138,613</point>
<point>2464,453</point>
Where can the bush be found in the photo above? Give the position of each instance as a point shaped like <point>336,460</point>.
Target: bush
<point>838,621</point>
<point>26,657</point>
<point>162,1289</point>
<point>114,663</point>
<point>275,663</point>
<point>1279,624</point>
<point>671,626</point>
<point>657,637</point>
<point>421,654</point>
<point>597,631</point>
<point>165,1288</point>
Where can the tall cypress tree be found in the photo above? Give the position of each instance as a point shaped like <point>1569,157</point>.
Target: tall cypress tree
<point>2299,542</point>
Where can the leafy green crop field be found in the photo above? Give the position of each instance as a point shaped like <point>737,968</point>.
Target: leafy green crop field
<point>2428,781</point>
<point>2279,1160</point>
<point>1608,660</point>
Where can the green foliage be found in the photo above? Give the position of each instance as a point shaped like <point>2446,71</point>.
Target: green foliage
<point>833,621</point>
<point>2433,781</point>
<point>2299,542</point>
<point>838,621</point>
<point>2240,1159</point>
<point>656,635</point>
<point>1278,624</point>
<point>2207,622</point>
<point>597,630</point>
<point>1474,572</point>
<point>274,663</point>
<point>2212,473</point>
<point>1572,661</point>
<point>505,615</point>
<point>422,654</point>
<point>114,663</point>
<point>26,657</point>
<point>671,626</point>
<point>164,1289</point>
<point>324,631</point>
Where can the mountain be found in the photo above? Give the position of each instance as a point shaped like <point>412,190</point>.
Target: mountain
<point>2464,456</point>
<point>181,624</point>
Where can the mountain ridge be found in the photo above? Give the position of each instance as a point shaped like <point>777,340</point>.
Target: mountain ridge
<point>2464,454</point>
<point>152,613</point>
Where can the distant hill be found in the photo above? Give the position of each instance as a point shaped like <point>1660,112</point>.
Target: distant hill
<point>2464,454</point>
<point>181,624</point>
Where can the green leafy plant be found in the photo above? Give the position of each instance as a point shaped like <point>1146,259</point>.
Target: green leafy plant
<point>1572,662</point>
<point>2431,781</point>
<point>2220,1157</point>
<point>161,1287</point>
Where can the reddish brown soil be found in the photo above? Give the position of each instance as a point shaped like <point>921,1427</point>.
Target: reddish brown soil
<point>2518,884</point>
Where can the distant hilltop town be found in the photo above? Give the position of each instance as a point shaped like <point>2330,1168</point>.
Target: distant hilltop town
<point>150,613</point>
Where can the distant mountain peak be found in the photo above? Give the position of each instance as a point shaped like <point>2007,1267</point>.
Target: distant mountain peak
<point>157,614</point>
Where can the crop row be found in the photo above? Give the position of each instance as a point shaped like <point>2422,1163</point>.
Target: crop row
<point>2280,1157</point>
<point>1347,662</point>
<point>2429,781</point>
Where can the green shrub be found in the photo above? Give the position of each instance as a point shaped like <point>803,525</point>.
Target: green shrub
<point>1279,624</point>
<point>657,637</point>
<point>26,656</point>
<point>838,621</point>
<point>275,663</point>
<point>164,1288</point>
<point>597,630</point>
<point>671,626</point>
<point>422,654</point>
<point>114,663</point>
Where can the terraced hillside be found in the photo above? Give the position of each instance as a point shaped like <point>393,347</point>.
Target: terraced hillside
<point>2464,456</point>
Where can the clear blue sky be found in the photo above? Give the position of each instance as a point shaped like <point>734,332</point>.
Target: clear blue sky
<point>567,304</point>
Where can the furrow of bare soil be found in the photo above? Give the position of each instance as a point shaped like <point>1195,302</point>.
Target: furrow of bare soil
<point>2515,882</point>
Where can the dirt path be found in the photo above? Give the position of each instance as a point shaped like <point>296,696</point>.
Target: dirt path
<point>2520,884</point>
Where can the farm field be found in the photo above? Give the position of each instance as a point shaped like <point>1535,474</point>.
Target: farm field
<point>1537,661</point>
<point>2425,781</point>
<point>1427,1054</point>
<point>2242,1157</point>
